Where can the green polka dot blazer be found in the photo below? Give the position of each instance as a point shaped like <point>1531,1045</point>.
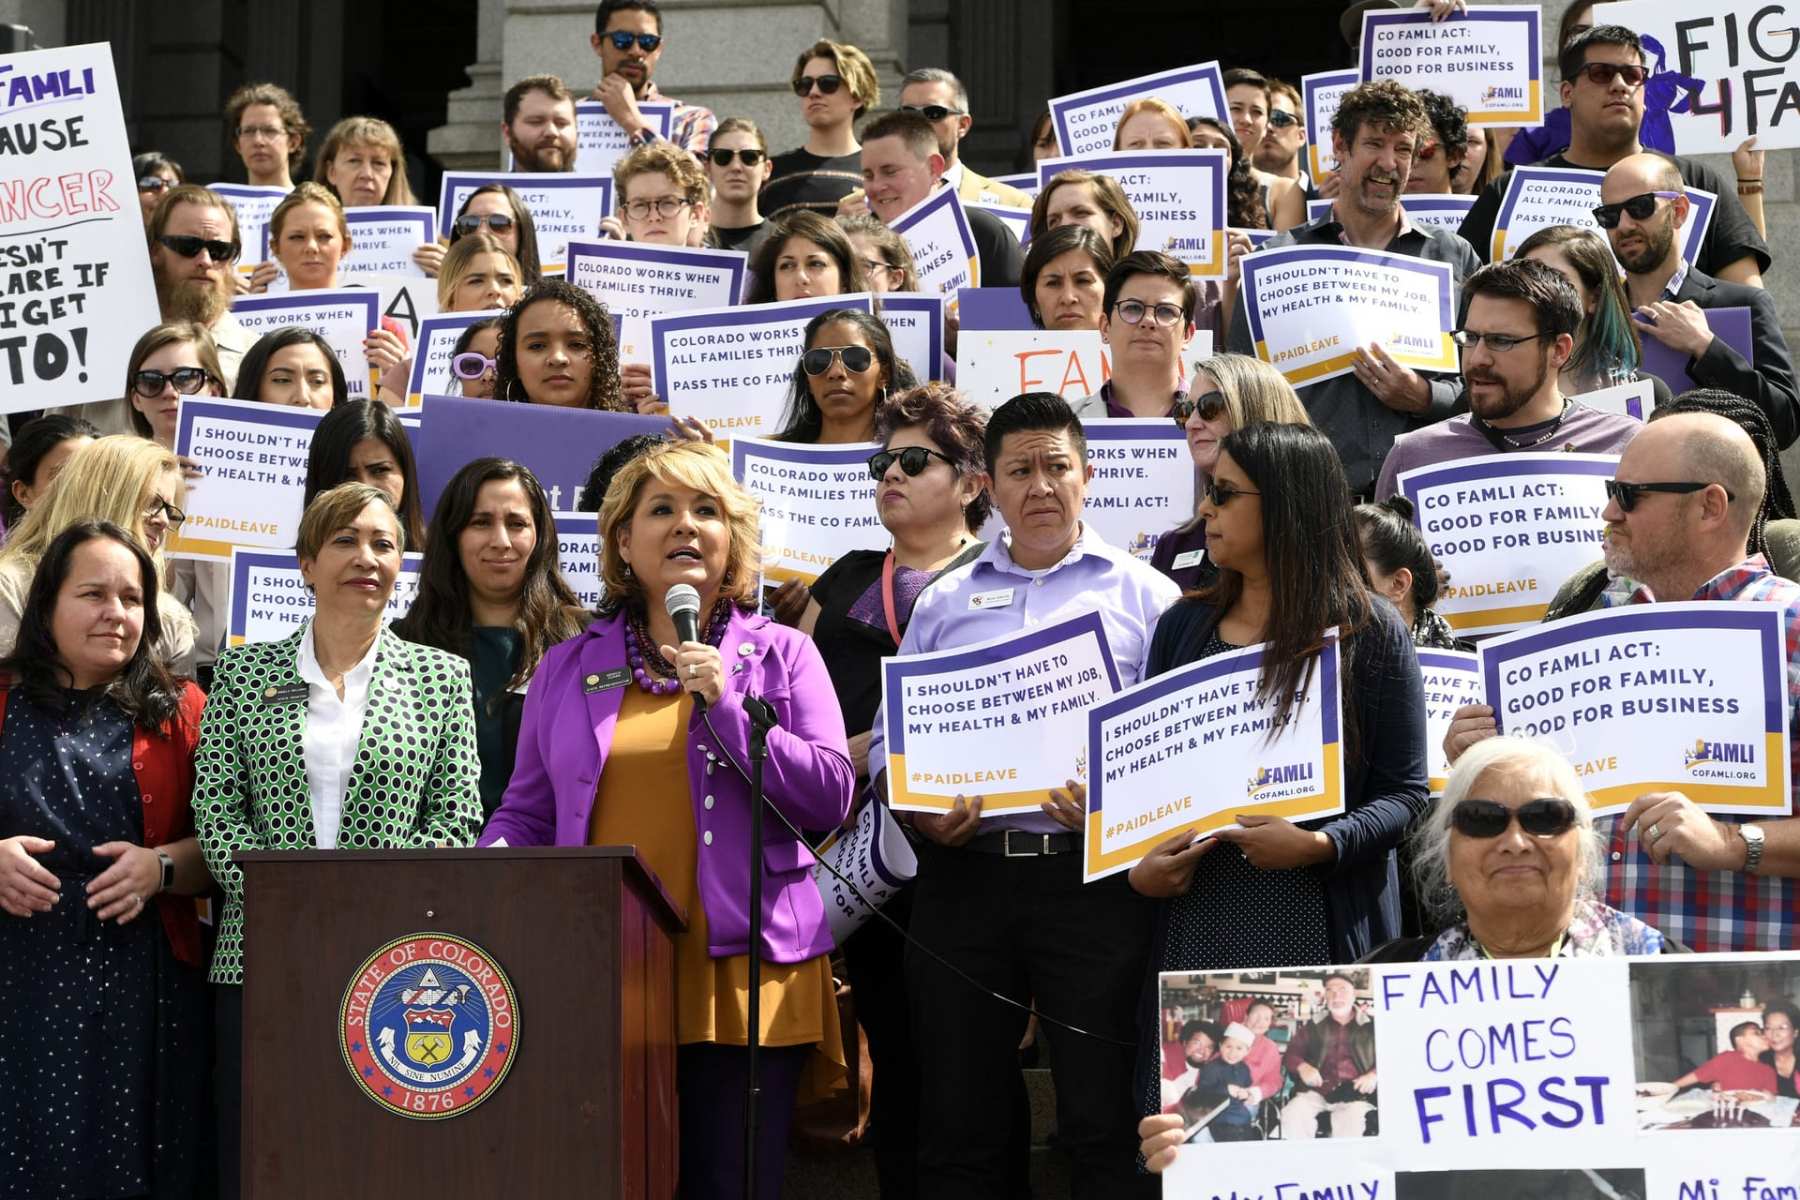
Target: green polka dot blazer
<point>415,782</point>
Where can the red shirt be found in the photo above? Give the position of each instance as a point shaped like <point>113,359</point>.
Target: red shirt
<point>1734,1072</point>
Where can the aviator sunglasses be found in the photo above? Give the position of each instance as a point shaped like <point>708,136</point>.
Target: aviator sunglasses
<point>1546,817</point>
<point>856,359</point>
<point>912,460</point>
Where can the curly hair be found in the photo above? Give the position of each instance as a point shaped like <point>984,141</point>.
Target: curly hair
<point>293,121</point>
<point>1449,124</point>
<point>1244,207</point>
<point>956,425</point>
<point>1382,104</point>
<point>603,382</point>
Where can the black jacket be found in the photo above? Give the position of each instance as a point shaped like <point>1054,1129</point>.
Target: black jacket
<point>1002,258</point>
<point>1769,380</point>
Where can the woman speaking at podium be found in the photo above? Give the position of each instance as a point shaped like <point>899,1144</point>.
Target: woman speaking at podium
<point>295,728</point>
<point>633,736</point>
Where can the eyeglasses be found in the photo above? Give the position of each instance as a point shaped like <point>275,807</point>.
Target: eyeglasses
<point>874,266</point>
<point>472,222</point>
<point>750,156</point>
<point>158,507</point>
<point>622,39</point>
<point>186,380</point>
<point>1638,208</point>
<point>1499,343</point>
<point>1626,495</point>
<point>933,112</point>
<point>154,183</point>
<point>190,247</point>
<point>828,84</point>
<point>1281,119</point>
<point>471,364</point>
<point>1219,495</point>
<point>266,133</point>
<point>1133,311</point>
<point>1208,404</point>
<point>856,359</point>
<point>1546,817</point>
<point>1604,73</point>
<point>662,206</point>
<point>912,460</point>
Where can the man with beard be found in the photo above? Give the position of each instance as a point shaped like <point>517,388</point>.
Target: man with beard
<point>628,39</point>
<point>539,125</point>
<point>1643,203</point>
<point>1375,133</point>
<point>1517,332</point>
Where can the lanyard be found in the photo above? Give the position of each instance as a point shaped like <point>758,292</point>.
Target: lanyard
<point>887,596</point>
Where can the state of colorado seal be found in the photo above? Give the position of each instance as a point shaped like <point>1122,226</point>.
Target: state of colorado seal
<point>429,1026</point>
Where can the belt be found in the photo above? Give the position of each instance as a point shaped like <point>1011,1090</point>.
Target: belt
<point>1017,843</point>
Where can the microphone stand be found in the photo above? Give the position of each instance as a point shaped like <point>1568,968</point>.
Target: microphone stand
<point>762,719</point>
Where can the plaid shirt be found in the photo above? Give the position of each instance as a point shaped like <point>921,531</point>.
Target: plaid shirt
<point>691,128</point>
<point>1712,910</point>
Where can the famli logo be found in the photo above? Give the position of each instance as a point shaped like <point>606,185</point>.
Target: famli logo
<point>1705,753</point>
<point>1494,93</point>
<point>1269,779</point>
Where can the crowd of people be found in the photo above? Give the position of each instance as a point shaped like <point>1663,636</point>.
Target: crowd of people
<point>140,753</point>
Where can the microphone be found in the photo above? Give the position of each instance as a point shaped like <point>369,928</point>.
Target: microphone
<point>682,603</point>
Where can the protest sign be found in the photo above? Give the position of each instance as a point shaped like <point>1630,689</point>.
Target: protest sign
<point>1431,210</point>
<point>916,323</point>
<point>1169,754</point>
<point>992,308</point>
<point>1311,307</point>
<point>875,856</point>
<point>1537,197</point>
<point>268,598</point>
<point>1732,326</point>
<point>1026,182</point>
<point>382,241</point>
<point>1143,483</point>
<point>1086,122</point>
<point>1509,529</point>
<point>1178,195</point>
<point>1256,237</point>
<point>1320,94</point>
<point>936,230</point>
<point>600,141</point>
<point>433,350</point>
<point>75,284</point>
<point>253,206</point>
<point>818,503</point>
<point>1720,72</point>
<point>994,365</point>
<point>344,317</point>
<point>1629,399</point>
<point>731,368</point>
<point>578,554</point>
<point>1689,697</point>
<point>252,460</point>
<point>1452,679</point>
<point>1002,719</point>
<point>408,299</point>
<point>1016,219</point>
<point>558,444</point>
<point>1487,59</point>
<point>637,281</point>
<point>562,207</point>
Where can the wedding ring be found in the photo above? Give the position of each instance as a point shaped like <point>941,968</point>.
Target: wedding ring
<point>693,670</point>
<point>1653,831</point>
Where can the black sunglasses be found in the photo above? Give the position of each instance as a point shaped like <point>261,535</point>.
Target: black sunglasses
<point>472,222</point>
<point>186,380</point>
<point>190,247</point>
<point>1546,817</point>
<point>856,359</point>
<point>1638,208</point>
<point>1281,119</point>
<point>1604,73</point>
<point>828,84</point>
<point>750,156</point>
<point>912,460</point>
<point>1628,494</point>
<point>933,112</point>
<point>1219,496</point>
<point>621,40</point>
<point>1208,404</point>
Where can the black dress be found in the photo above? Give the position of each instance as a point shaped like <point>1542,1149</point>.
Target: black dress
<point>103,1033</point>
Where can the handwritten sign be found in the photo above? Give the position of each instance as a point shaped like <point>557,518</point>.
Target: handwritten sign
<point>818,503</point>
<point>1002,719</point>
<point>269,600</point>
<point>1320,94</point>
<point>433,350</point>
<point>1178,195</point>
<point>342,316</point>
<point>252,460</point>
<point>600,141</point>
<point>75,285</point>
<point>1487,59</point>
<point>1510,529</point>
<point>1452,680</point>
<point>732,367</point>
<point>1689,697</point>
<point>1087,122</point>
<point>936,230</point>
<point>636,281</point>
<point>1310,307</point>
<point>562,206</point>
<point>578,554</point>
<point>1537,197</point>
<point>994,365</point>
<point>1144,743</point>
<point>1143,481</point>
<point>916,323</point>
<point>253,205</point>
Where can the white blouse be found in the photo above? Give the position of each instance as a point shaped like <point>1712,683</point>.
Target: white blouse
<point>333,729</point>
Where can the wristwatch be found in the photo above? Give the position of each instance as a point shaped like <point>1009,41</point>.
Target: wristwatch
<point>168,871</point>
<point>1753,847</point>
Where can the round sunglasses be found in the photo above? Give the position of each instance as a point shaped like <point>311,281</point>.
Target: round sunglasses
<point>1545,817</point>
<point>912,460</point>
<point>856,359</point>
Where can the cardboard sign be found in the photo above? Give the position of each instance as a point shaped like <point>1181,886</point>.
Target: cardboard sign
<point>578,554</point>
<point>1088,122</point>
<point>1487,59</point>
<point>1178,195</point>
<point>1452,680</point>
<point>1630,399</point>
<point>253,205</point>
<point>600,141</point>
<point>1143,482</point>
<point>382,241</point>
<point>252,460</point>
<point>433,350</point>
<point>1016,219</point>
<point>342,316</point>
<point>993,365</point>
<point>636,281</point>
<point>916,323</point>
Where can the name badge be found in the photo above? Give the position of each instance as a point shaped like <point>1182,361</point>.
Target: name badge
<point>1188,558</point>
<point>287,693</point>
<point>999,598</point>
<point>606,681</point>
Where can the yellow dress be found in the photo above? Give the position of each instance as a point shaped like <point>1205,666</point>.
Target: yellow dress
<point>643,799</point>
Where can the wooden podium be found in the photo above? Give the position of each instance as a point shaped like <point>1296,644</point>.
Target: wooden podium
<point>586,1106</point>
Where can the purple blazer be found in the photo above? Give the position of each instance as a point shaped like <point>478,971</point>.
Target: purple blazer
<point>568,728</point>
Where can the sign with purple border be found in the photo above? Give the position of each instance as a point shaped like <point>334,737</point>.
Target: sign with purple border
<point>438,335</point>
<point>268,599</point>
<point>600,141</point>
<point>561,206</point>
<point>1016,219</point>
<point>1167,755</point>
<point>253,205</point>
<point>992,308</point>
<point>1087,122</point>
<point>637,281</point>
<point>818,503</point>
<point>344,317</point>
<point>1488,59</point>
<point>916,323</point>
<point>1689,697</point>
<point>1320,94</point>
<point>252,460</point>
<point>1143,482</point>
<point>1537,197</point>
<point>1452,679</point>
<point>1730,325</point>
<point>1001,719</point>
<point>1178,195</point>
<point>578,554</point>
<point>936,230</point>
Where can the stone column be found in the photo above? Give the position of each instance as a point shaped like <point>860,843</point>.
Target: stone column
<point>469,139</point>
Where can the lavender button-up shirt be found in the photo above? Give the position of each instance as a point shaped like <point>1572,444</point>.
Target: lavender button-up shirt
<point>1093,577</point>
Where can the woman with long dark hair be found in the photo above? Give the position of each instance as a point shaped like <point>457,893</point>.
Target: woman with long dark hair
<point>557,347</point>
<point>1064,280</point>
<point>804,255</point>
<point>39,451</point>
<point>363,442</point>
<point>491,592</point>
<point>292,366</point>
<point>843,377</point>
<point>1243,194</point>
<point>500,211</point>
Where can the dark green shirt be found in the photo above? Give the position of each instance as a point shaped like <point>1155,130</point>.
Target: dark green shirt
<point>495,657</point>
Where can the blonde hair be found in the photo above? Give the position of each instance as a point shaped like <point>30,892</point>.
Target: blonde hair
<point>853,67</point>
<point>1163,109</point>
<point>663,158</point>
<point>704,468</point>
<point>110,479</point>
<point>337,507</point>
<point>1254,391</point>
<point>458,257</point>
<point>308,193</point>
<point>367,131</point>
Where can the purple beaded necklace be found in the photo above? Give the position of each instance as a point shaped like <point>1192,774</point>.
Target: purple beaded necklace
<point>644,657</point>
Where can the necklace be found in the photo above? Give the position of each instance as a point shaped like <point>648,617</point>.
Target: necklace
<point>644,657</point>
<point>1502,443</point>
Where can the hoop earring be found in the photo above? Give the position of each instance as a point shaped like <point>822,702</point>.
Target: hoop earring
<point>510,397</point>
